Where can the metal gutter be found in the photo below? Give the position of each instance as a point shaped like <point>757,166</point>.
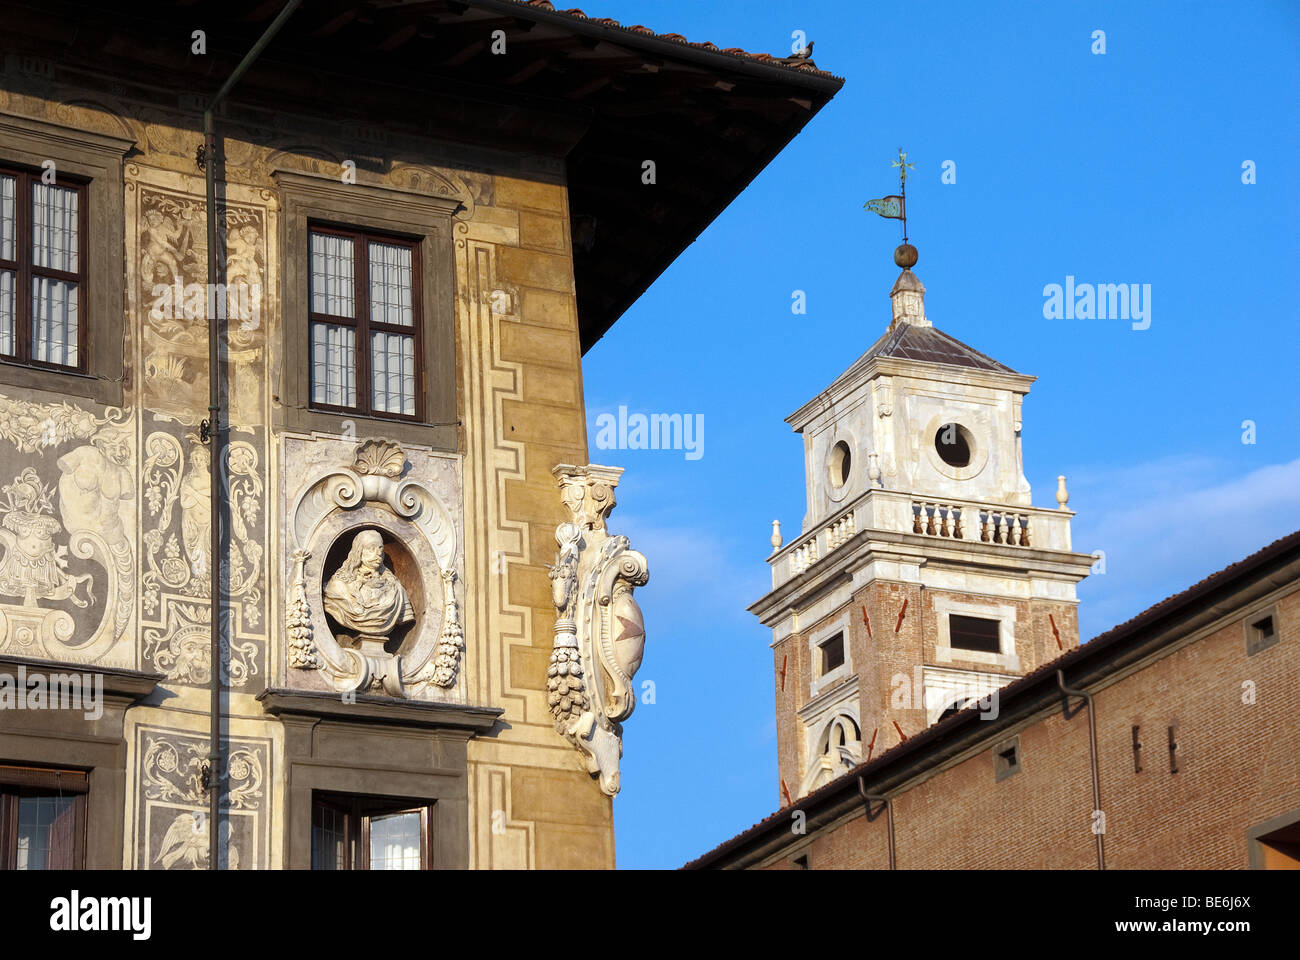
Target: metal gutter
<point>212,429</point>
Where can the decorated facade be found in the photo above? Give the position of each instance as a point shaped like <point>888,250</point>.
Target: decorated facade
<point>415,245</point>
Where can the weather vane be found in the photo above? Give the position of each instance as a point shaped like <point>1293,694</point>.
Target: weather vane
<point>894,207</point>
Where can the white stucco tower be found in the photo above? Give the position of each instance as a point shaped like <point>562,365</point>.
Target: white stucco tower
<point>923,577</point>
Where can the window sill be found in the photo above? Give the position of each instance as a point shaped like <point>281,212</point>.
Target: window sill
<point>71,384</point>
<point>441,436</point>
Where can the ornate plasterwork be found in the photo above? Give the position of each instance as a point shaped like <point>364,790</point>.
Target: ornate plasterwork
<point>599,631</point>
<point>376,491</point>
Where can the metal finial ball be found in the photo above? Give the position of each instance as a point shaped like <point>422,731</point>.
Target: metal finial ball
<point>905,255</point>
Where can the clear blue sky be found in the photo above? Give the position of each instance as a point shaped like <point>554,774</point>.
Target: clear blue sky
<point>1117,168</point>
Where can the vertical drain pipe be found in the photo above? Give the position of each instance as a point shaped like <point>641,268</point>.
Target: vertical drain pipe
<point>889,816</point>
<point>216,458</point>
<point>1092,755</point>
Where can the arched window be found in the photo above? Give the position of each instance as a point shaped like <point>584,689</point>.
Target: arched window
<point>839,749</point>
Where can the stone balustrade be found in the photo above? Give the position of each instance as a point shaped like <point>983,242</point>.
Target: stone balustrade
<point>1000,526</point>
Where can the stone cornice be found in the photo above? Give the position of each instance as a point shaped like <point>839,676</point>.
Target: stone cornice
<point>119,683</point>
<point>870,545</point>
<point>112,148</point>
<point>364,708</point>
<point>311,186</point>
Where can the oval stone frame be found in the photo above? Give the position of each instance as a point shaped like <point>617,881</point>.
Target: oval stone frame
<point>421,646</point>
<point>979,454</point>
<point>378,493</point>
<point>844,435</point>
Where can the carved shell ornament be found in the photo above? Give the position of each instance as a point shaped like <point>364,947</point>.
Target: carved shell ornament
<point>380,458</point>
<point>599,630</point>
<point>376,494</point>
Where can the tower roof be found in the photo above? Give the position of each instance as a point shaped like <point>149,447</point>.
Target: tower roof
<point>907,341</point>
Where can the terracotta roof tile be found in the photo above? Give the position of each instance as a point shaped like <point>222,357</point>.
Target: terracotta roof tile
<point>807,66</point>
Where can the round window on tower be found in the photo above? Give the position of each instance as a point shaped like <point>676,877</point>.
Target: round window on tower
<point>839,464</point>
<point>954,443</point>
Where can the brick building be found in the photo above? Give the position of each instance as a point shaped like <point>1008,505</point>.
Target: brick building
<point>934,706</point>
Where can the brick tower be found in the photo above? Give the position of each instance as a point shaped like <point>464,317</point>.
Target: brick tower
<point>923,578</point>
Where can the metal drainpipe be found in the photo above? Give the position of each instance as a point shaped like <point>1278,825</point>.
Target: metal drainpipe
<point>216,446</point>
<point>889,816</point>
<point>1092,755</point>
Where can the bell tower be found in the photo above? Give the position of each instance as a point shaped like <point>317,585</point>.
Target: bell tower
<point>923,578</point>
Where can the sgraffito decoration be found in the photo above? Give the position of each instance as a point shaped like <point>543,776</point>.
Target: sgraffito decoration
<point>599,630</point>
<point>66,561</point>
<point>172,802</point>
<point>177,567</point>
<point>176,302</point>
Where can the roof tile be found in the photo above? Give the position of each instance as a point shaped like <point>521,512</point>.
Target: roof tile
<point>807,66</point>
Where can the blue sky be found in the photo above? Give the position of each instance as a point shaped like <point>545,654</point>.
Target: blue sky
<point>1119,168</point>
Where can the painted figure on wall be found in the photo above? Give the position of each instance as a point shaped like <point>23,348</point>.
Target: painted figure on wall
<point>196,511</point>
<point>96,482</point>
<point>364,595</point>
<point>32,565</point>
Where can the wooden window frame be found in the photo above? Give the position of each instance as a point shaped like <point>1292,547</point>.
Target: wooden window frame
<point>358,810</point>
<point>997,633</point>
<point>390,211</point>
<point>24,265</point>
<point>363,325</point>
<point>96,160</point>
<point>18,782</point>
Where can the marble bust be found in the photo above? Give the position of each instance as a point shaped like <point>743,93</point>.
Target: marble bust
<point>364,595</point>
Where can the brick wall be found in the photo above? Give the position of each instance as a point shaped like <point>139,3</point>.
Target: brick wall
<point>1236,760</point>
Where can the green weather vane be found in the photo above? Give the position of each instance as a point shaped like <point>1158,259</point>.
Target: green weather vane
<point>894,207</point>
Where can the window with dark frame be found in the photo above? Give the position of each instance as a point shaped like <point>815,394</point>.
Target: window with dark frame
<point>1006,759</point>
<point>351,832</point>
<point>42,270</point>
<point>1260,635</point>
<point>832,653</point>
<point>42,818</point>
<point>974,633</point>
<point>365,323</point>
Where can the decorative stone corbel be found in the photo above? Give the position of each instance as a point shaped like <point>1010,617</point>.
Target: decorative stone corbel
<point>599,630</point>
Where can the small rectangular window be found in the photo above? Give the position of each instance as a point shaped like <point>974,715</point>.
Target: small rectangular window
<point>832,653</point>
<point>974,633</point>
<point>365,325</point>
<point>1006,759</point>
<point>1260,635</point>
<point>42,270</point>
